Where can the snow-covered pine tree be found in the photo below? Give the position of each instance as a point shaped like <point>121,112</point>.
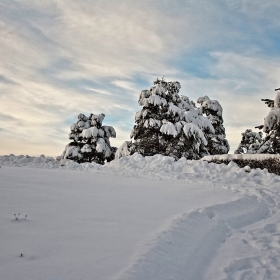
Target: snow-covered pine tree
<point>217,142</point>
<point>250,142</point>
<point>271,126</point>
<point>90,140</point>
<point>168,125</point>
<point>270,144</point>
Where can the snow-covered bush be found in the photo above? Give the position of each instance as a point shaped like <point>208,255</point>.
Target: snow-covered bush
<point>249,161</point>
<point>90,140</point>
<point>252,142</point>
<point>171,125</point>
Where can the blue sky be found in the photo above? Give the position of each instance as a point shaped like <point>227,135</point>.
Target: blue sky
<point>60,58</point>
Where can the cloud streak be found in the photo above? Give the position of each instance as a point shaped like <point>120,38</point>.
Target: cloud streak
<point>59,58</point>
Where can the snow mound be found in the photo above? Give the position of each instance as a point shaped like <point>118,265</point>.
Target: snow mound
<point>229,157</point>
<point>166,168</point>
<point>156,167</point>
<point>46,162</point>
<point>200,221</point>
<point>176,245</point>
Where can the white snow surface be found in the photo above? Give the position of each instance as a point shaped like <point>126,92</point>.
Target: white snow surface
<point>73,151</point>
<point>173,109</point>
<point>123,150</point>
<point>213,105</point>
<point>157,100</point>
<point>90,132</point>
<point>152,123</point>
<point>168,128</point>
<point>241,156</point>
<point>191,129</point>
<point>192,116</point>
<point>137,218</point>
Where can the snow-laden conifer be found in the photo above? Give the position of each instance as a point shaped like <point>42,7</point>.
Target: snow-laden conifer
<point>168,124</point>
<point>250,142</point>
<point>217,142</point>
<point>90,140</point>
<point>253,143</point>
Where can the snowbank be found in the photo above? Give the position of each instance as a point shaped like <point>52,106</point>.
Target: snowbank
<point>45,162</point>
<point>270,162</point>
<point>156,167</point>
<point>138,218</point>
<point>230,157</point>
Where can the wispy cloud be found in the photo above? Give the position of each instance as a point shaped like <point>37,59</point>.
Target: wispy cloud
<point>59,58</point>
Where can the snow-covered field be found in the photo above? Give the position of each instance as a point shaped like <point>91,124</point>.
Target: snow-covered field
<point>137,218</point>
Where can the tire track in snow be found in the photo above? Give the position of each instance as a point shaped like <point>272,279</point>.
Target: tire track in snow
<point>256,253</point>
<point>186,248</point>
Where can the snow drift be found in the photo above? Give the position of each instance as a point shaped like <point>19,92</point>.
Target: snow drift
<point>137,218</point>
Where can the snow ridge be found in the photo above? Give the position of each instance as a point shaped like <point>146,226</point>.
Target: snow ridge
<point>176,251</point>
<point>191,244</point>
<point>156,167</point>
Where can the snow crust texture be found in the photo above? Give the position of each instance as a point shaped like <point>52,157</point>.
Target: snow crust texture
<point>232,231</point>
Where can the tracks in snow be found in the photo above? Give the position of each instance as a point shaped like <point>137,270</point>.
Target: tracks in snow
<point>186,248</point>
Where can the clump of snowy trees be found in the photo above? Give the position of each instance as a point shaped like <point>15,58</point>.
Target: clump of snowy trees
<point>254,142</point>
<point>90,140</point>
<point>172,125</point>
